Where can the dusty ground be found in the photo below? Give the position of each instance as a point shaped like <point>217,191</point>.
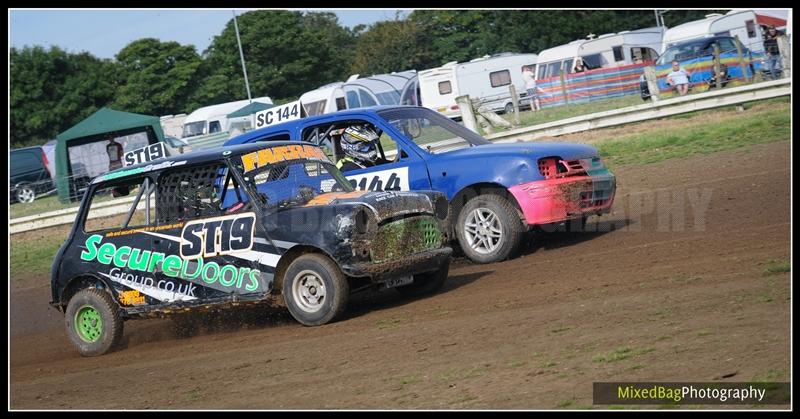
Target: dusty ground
<point>639,300</point>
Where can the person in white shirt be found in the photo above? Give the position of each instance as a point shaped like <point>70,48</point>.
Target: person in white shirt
<point>530,86</point>
<point>679,78</point>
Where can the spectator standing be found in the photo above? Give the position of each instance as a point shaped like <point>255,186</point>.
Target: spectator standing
<point>530,87</point>
<point>114,150</point>
<point>772,50</point>
<point>679,78</point>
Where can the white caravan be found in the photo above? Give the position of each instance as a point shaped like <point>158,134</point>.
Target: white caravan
<point>605,51</point>
<point>746,24</point>
<point>486,79</point>
<point>214,119</point>
<point>381,89</point>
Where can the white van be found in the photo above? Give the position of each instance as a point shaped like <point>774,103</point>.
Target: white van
<point>604,51</point>
<point>486,79</point>
<point>214,119</point>
<point>744,23</point>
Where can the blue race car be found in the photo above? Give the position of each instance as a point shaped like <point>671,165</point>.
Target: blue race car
<point>496,192</point>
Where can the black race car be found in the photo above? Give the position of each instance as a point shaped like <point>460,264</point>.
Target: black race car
<point>237,225</point>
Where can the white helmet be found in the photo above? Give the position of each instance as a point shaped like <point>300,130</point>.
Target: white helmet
<point>359,142</point>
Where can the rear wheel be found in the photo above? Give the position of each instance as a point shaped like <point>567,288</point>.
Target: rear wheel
<point>509,108</point>
<point>315,290</point>
<point>489,228</point>
<point>93,322</point>
<point>426,283</point>
<point>26,194</point>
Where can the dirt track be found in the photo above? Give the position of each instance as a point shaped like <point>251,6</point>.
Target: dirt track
<point>638,301</point>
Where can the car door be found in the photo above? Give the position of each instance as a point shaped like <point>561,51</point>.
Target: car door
<point>215,243</point>
<point>402,170</point>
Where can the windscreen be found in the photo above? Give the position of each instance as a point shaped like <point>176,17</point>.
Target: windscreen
<point>431,131</point>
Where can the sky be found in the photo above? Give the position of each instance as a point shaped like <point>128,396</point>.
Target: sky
<point>104,33</point>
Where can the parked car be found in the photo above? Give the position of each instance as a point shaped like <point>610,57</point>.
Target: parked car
<point>696,56</point>
<point>496,191</point>
<point>237,225</point>
<point>30,177</point>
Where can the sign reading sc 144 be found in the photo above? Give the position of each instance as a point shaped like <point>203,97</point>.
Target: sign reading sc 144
<point>278,114</point>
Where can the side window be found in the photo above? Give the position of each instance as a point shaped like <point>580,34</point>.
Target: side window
<point>500,78</point>
<point>445,88</point>
<point>352,99</point>
<point>751,28</point>
<point>340,104</point>
<point>366,99</point>
<point>593,61</point>
<point>553,69</point>
<point>140,209</point>
<point>726,45</point>
<point>24,161</point>
<point>566,66</point>
<point>618,55</point>
<point>192,192</point>
<point>214,126</point>
<point>542,70</point>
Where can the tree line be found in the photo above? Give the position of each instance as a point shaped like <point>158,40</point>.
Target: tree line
<point>287,53</point>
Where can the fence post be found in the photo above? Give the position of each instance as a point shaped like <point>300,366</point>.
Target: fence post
<point>652,82</point>
<point>564,89</point>
<point>515,101</point>
<point>741,60</point>
<point>717,67</point>
<point>786,56</point>
<point>467,116</point>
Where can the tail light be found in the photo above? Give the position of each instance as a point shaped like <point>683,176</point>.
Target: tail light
<point>46,163</point>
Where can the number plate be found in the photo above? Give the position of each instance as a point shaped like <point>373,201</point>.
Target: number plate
<point>399,281</point>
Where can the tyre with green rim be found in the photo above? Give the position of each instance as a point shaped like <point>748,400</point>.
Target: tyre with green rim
<point>93,322</point>
<point>315,290</point>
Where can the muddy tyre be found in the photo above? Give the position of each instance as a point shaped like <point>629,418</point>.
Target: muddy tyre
<point>315,290</point>
<point>426,283</point>
<point>488,228</point>
<point>93,322</point>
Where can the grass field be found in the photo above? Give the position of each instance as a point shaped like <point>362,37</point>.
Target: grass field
<point>689,134</point>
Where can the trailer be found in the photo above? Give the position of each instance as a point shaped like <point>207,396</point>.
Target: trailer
<point>355,92</point>
<point>748,25</point>
<point>214,119</point>
<point>486,79</point>
<point>605,51</point>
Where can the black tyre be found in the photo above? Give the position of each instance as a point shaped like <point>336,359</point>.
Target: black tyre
<point>509,108</point>
<point>488,228</point>
<point>26,194</point>
<point>426,283</point>
<point>93,322</point>
<point>315,290</point>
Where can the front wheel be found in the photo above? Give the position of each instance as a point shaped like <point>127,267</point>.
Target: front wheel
<point>489,228</point>
<point>509,108</point>
<point>93,322</point>
<point>315,290</point>
<point>426,283</point>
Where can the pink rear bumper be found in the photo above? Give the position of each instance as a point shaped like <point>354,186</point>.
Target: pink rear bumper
<point>557,200</point>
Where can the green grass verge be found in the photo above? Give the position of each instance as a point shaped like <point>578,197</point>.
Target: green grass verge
<point>33,257</point>
<point>754,126</point>
<point>528,118</point>
<point>46,204</point>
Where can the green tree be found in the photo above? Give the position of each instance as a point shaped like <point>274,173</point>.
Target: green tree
<point>286,53</point>
<point>51,90</point>
<point>158,77</point>
<point>394,45</point>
